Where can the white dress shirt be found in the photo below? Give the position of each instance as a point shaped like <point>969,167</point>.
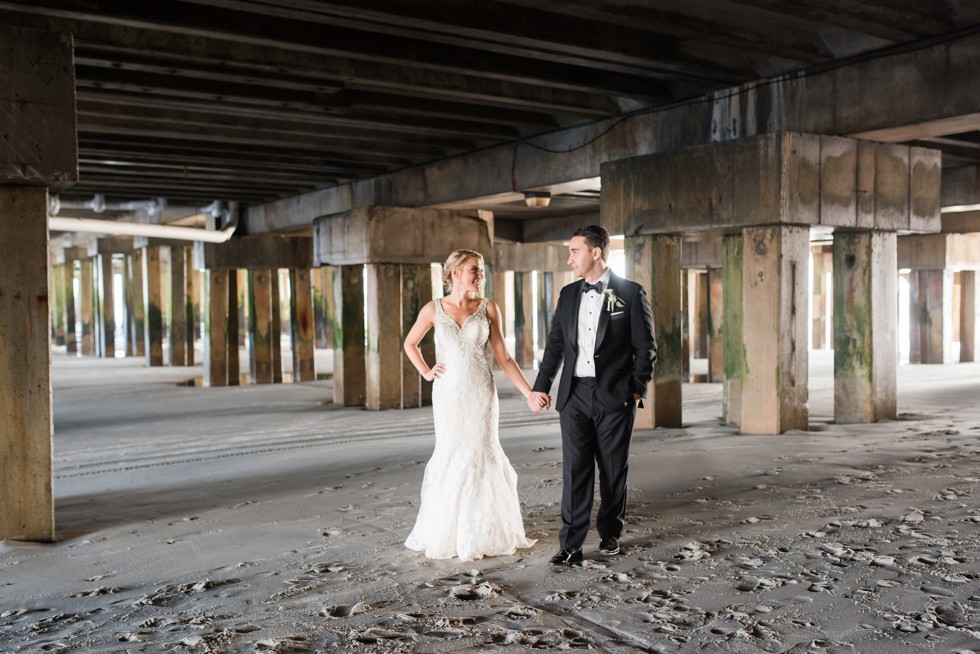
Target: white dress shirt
<point>588,322</point>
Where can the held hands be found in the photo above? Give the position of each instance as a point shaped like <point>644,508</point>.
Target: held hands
<point>537,400</point>
<point>435,372</point>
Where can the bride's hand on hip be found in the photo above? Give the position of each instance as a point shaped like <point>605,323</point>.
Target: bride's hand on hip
<point>435,372</point>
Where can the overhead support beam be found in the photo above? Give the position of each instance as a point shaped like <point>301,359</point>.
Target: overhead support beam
<point>392,234</point>
<point>834,102</point>
<point>822,181</point>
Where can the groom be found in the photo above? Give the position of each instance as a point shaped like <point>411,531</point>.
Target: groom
<point>602,333</point>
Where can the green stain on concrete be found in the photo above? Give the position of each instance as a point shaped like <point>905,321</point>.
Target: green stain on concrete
<point>853,352</point>
<point>736,366</point>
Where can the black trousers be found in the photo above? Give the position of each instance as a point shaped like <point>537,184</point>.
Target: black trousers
<point>591,438</point>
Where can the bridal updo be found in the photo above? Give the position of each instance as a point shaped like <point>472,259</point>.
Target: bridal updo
<point>455,260</point>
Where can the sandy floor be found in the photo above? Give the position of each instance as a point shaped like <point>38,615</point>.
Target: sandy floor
<point>262,519</point>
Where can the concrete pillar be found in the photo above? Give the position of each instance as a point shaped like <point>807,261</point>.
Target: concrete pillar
<point>716,344</point>
<point>931,319</point>
<point>774,287</point>
<point>86,301</point>
<point>733,246</point>
<point>545,308</point>
<point>191,302</point>
<point>684,285</point>
<point>865,295</point>
<point>153,296</point>
<point>57,273</point>
<point>523,320</point>
<point>177,313</point>
<point>239,286</point>
<point>260,327</point>
<point>26,478</point>
<point>237,283</point>
<point>820,304</point>
<point>71,343</point>
<point>499,296</point>
<point>349,337</point>
<point>275,327</point>
<point>301,324</point>
<point>654,262</point>
<point>322,281</point>
<point>138,324</point>
<point>699,325</point>
<point>969,314</point>
<point>416,292</point>
<point>107,314</point>
<point>383,360</point>
<point>216,334</point>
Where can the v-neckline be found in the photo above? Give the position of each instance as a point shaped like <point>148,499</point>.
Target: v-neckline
<point>465,320</point>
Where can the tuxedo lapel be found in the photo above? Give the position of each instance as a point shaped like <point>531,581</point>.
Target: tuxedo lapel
<point>604,312</point>
<point>571,321</point>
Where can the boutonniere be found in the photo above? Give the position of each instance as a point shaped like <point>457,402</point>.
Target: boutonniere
<point>613,301</point>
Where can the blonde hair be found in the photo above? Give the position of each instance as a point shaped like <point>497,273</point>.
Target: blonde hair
<point>454,261</point>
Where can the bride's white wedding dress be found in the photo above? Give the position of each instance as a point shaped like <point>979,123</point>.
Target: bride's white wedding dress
<point>470,506</point>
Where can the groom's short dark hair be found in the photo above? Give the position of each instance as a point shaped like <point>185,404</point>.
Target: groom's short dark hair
<point>596,236</point>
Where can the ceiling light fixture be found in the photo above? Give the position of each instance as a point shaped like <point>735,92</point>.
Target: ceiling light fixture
<point>537,198</point>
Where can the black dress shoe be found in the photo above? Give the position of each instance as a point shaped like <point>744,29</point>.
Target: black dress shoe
<point>566,557</point>
<point>609,546</point>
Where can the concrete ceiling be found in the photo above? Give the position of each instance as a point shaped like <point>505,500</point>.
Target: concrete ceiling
<point>252,101</point>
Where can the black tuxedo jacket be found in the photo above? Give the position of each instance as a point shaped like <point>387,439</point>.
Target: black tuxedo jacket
<point>625,349</point>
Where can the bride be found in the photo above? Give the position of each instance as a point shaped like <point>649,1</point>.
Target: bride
<point>470,507</point>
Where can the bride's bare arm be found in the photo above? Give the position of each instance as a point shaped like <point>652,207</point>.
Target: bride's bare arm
<point>423,324</point>
<point>499,349</point>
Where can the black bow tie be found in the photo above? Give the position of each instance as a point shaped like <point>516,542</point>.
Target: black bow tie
<point>597,287</point>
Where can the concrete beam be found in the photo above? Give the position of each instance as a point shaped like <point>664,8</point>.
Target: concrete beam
<point>396,235</point>
<point>255,253</point>
<point>939,252</point>
<point>787,178</point>
<point>525,257</point>
<point>932,88</point>
<point>961,186</point>
<point>37,106</point>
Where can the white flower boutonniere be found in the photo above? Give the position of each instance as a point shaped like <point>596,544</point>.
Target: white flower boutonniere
<point>613,301</point>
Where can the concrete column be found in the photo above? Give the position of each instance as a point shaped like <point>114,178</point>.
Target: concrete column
<point>216,335</point>
<point>654,262</point>
<point>153,294</point>
<point>275,328</point>
<point>523,320</point>
<point>822,258</point>
<point>383,358</point>
<point>57,276</point>
<point>684,285</point>
<point>416,292</point>
<point>499,296</point>
<point>733,247</point>
<point>138,333</point>
<point>260,327</point>
<point>71,344</point>
<point>26,477</point>
<point>178,307</point>
<point>865,305</point>
<point>774,287</point>
<point>107,317</point>
<point>700,322</point>
<point>240,295</point>
<point>931,319</point>
<point>545,309</point>
<point>969,314</point>
<point>191,302</point>
<point>301,324</point>
<point>349,337</point>
<point>716,344</point>
<point>322,282</point>
<point>86,301</point>
<point>237,281</point>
